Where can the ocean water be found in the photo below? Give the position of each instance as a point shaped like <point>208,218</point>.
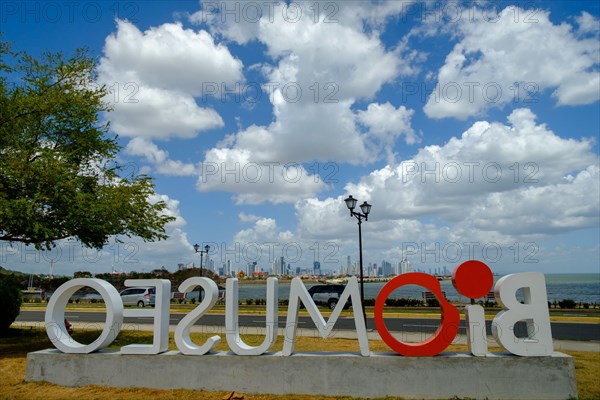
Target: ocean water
<point>584,288</point>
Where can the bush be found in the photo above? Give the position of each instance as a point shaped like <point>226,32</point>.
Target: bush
<point>369,302</point>
<point>433,303</point>
<point>10,301</point>
<point>567,303</point>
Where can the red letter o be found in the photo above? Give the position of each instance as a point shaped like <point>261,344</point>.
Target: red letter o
<point>444,335</point>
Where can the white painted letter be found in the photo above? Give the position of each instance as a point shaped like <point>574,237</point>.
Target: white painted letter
<point>534,311</point>
<point>232,330</point>
<point>160,314</point>
<point>182,331</point>
<point>298,292</point>
<point>55,316</point>
<point>476,336</point>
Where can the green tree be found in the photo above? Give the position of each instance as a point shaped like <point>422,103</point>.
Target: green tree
<point>54,283</point>
<point>59,176</point>
<point>10,301</point>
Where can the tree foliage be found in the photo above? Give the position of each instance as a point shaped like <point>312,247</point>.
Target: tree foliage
<point>10,301</point>
<point>59,175</point>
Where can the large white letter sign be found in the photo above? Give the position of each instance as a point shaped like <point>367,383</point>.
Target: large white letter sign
<point>232,328</point>
<point>298,292</point>
<point>182,331</point>
<point>534,312</point>
<point>55,316</point>
<point>160,314</point>
<point>476,336</point>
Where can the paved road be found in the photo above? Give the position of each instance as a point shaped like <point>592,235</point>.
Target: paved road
<point>560,330</point>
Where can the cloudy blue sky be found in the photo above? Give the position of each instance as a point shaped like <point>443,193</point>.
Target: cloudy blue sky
<point>472,128</point>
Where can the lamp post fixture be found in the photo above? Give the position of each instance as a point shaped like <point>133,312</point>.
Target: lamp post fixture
<point>197,249</point>
<point>366,209</point>
<point>206,248</point>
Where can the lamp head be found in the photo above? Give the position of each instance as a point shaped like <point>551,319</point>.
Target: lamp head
<point>196,247</point>
<point>365,208</point>
<point>350,203</point>
<point>206,248</point>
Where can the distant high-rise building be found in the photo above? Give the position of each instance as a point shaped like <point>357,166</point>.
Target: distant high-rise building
<point>317,268</point>
<point>227,268</point>
<point>405,266</point>
<point>386,268</point>
<point>279,267</point>
<point>251,268</point>
<point>372,270</point>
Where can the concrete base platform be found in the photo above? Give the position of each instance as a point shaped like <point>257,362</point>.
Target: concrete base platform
<point>498,376</point>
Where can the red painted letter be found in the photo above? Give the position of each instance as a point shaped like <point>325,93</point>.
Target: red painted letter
<point>448,326</point>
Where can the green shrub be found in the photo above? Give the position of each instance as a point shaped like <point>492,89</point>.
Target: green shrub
<point>567,303</point>
<point>10,301</point>
<point>433,303</point>
<point>369,302</point>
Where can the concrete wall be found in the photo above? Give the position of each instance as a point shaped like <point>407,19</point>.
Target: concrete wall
<point>444,376</point>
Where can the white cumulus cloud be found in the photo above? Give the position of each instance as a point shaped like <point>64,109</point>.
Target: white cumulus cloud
<point>315,74</point>
<point>506,60</point>
<point>159,158</point>
<point>155,76</point>
<point>496,181</point>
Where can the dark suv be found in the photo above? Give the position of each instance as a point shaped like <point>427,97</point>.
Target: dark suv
<point>328,295</point>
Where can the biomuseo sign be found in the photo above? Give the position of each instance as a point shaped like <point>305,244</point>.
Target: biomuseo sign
<point>420,372</point>
<point>473,279</point>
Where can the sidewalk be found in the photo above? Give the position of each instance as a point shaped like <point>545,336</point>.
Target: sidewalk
<point>559,345</point>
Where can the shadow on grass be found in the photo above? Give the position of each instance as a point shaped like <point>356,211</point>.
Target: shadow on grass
<point>17,342</point>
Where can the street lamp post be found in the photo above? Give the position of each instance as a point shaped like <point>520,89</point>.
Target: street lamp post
<point>197,249</point>
<point>366,209</point>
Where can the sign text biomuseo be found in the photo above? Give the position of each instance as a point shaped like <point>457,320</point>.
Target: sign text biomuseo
<point>472,279</point>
